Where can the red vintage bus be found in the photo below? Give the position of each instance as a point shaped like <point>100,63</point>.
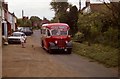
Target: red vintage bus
<point>55,37</point>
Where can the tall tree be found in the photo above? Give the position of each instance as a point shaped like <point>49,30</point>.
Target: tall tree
<point>35,20</point>
<point>60,8</point>
<point>66,13</point>
<point>24,22</point>
<point>73,18</point>
<point>114,8</point>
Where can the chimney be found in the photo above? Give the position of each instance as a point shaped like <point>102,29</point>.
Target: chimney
<point>5,5</point>
<point>79,5</point>
<point>22,13</point>
<point>87,3</point>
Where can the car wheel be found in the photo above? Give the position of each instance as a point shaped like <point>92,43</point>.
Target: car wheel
<point>25,41</point>
<point>9,42</point>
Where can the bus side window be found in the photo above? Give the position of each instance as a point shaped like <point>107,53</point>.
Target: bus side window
<point>48,32</point>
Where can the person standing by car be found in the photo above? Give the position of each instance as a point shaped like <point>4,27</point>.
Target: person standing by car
<point>22,41</point>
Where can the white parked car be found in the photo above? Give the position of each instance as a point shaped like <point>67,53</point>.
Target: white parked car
<point>16,36</point>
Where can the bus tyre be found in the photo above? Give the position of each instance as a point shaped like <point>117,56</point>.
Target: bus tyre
<point>69,51</point>
<point>42,45</point>
<point>49,51</point>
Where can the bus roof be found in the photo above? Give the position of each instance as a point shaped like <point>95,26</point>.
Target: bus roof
<point>54,25</point>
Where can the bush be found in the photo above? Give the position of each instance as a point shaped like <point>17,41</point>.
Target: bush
<point>98,28</point>
<point>35,27</point>
<point>111,37</point>
<point>79,37</point>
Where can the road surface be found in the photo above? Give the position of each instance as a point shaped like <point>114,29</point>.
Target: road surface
<point>33,61</point>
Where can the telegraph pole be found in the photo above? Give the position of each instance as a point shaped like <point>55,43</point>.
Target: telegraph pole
<point>79,5</point>
<point>22,13</point>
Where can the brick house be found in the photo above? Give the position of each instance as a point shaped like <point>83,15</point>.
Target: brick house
<point>12,21</point>
<point>8,21</point>
<point>97,6</point>
<point>1,10</point>
<point>94,7</point>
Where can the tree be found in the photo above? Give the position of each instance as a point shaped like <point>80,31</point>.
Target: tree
<point>102,27</point>
<point>24,22</point>
<point>60,9</point>
<point>90,25</point>
<point>59,6</point>
<point>19,22</point>
<point>63,15</point>
<point>73,18</point>
<point>114,8</point>
<point>114,19</point>
<point>35,20</point>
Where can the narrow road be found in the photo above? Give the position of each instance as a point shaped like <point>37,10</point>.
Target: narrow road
<point>33,61</point>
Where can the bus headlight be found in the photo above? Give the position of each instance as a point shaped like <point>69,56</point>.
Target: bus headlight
<point>66,41</point>
<point>56,42</point>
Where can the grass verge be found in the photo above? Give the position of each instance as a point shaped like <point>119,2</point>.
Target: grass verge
<point>102,54</point>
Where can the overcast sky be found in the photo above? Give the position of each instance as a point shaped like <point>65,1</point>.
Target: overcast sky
<point>40,8</point>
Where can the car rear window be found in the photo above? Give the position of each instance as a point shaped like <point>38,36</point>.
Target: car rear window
<point>16,34</point>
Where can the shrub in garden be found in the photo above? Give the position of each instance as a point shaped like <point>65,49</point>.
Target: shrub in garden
<point>79,37</point>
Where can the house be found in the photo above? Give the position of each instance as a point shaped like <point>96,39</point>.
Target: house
<point>1,9</point>
<point>12,19</point>
<point>44,21</point>
<point>95,6</point>
<point>4,18</point>
<point>86,8</point>
<point>8,20</point>
<point>90,6</point>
